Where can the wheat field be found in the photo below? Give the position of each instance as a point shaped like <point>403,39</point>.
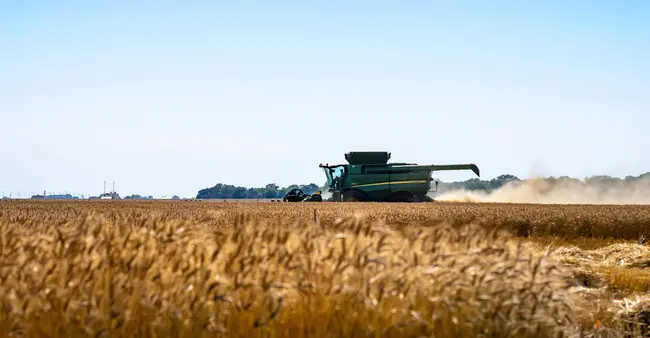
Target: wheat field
<point>195,269</point>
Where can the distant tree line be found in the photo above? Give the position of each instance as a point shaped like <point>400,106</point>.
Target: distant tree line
<point>56,197</point>
<point>271,190</point>
<point>110,195</point>
<point>499,181</point>
<point>478,184</point>
<point>138,197</point>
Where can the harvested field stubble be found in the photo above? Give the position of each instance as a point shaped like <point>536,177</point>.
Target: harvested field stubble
<point>191,269</point>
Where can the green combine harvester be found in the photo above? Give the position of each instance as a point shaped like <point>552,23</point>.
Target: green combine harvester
<point>368,177</point>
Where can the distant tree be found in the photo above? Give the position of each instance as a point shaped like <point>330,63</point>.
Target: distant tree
<point>239,192</point>
<point>272,191</point>
<point>310,188</point>
<point>507,178</point>
<point>253,193</point>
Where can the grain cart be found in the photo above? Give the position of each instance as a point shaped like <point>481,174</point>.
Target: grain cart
<point>368,177</point>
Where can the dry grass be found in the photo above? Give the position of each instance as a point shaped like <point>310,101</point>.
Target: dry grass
<point>622,267</point>
<point>628,279</point>
<point>612,279</point>
<point>265,269</point>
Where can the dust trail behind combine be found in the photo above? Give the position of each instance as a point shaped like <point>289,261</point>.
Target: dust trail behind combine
<point>545,191</point>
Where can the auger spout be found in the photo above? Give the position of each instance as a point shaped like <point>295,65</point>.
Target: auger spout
<point>407,168</point>
<point>470,166</point>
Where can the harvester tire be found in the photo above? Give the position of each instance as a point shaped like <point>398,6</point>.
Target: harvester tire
<point>426,198</point>
<point>403,197</point>
<point>353,196</point>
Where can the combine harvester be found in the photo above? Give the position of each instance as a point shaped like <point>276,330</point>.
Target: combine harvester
<point>368,177</point>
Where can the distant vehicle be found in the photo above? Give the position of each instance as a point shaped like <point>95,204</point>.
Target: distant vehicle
<point>297,195</point>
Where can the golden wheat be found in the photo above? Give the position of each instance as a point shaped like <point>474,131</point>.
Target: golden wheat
<point>84,268</point>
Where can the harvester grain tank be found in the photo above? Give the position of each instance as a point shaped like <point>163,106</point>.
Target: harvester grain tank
<point>368,177</point>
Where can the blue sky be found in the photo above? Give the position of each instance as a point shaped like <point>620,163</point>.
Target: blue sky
<point>168,97</point>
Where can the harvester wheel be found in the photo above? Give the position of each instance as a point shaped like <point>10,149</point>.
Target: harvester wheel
<point>353,196</point>
<point>404,197</point>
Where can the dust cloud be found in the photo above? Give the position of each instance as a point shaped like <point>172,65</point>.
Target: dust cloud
<point>326,194</point>
<point>547,191</point>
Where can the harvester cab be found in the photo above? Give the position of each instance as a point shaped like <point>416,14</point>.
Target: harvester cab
<point>369,177</point>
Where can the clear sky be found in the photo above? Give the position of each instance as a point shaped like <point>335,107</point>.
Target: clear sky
<point>168,97</point>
